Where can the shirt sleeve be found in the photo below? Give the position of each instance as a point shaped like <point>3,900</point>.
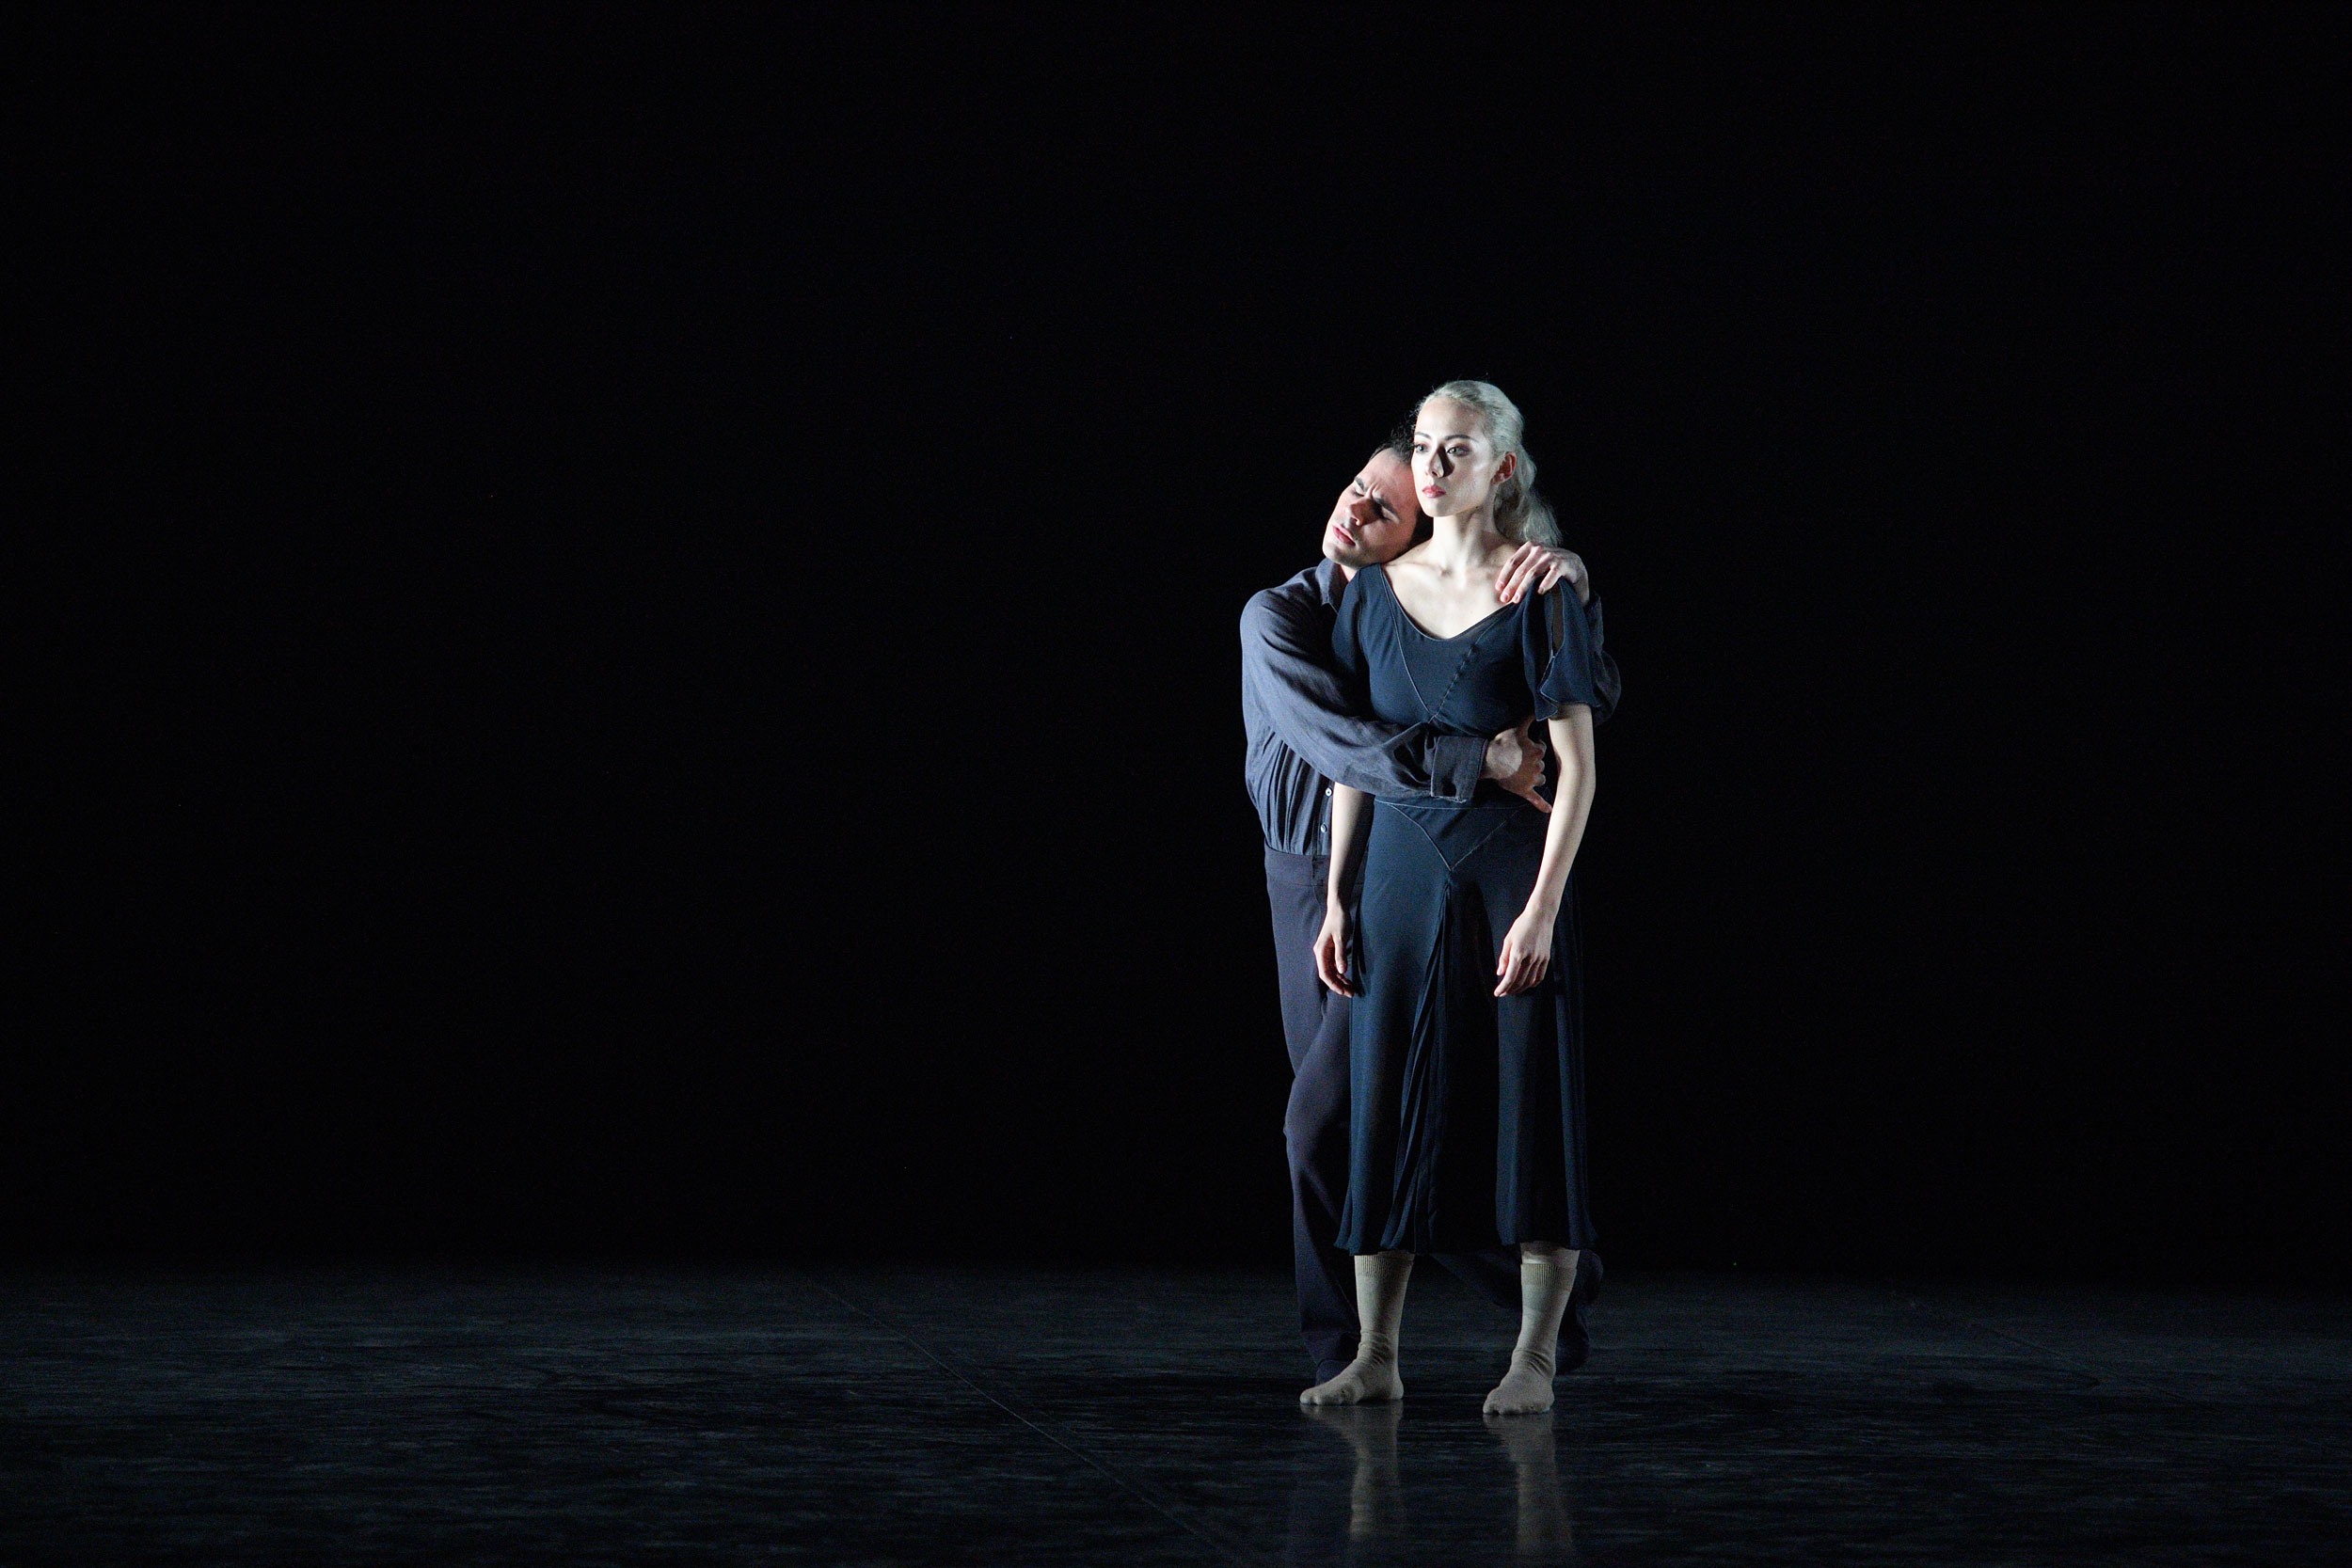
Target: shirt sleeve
<point>1566,665</point>
<point>1287,669</point>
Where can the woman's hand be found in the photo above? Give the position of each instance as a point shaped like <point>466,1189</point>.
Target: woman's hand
<point>1526,954</point>
<point>1331,951</point>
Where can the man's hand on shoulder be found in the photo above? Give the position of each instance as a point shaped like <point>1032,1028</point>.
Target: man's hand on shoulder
<point>1542,565</point>
<point>1515,760</point>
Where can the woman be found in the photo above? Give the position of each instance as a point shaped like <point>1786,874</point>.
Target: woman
<point>1466,1069</point>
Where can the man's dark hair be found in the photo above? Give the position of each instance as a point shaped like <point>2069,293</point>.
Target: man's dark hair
<point>1400,445</point>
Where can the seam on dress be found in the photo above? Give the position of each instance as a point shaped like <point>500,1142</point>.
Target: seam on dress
<point>1451,864</point>
<point>1483,841</point>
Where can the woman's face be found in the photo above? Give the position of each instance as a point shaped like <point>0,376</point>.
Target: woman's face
<point>1455,467</point>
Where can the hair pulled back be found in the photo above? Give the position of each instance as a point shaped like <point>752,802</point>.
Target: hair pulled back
<point>1520,514</point>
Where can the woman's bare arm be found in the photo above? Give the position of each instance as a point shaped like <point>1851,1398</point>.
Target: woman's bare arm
<point>1351,826</point>
<point>1526,954</point>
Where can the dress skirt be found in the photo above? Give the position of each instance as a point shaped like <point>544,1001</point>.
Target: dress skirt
<point>1468,1120</point>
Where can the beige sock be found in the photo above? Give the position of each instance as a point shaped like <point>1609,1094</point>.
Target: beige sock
<point>1371,1378</point>
<point>1546,1275</point>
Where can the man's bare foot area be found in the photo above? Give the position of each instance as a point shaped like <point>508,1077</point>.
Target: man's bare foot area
<point>1525,1390</point>
<point>1363,1383</point>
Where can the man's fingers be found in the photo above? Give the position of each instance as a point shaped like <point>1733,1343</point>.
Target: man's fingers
<point>1513,580</point>
<point>1521,572</point>
<point>1531,767</point>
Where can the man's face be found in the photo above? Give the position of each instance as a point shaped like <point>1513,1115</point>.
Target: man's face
<point>1375,518</point>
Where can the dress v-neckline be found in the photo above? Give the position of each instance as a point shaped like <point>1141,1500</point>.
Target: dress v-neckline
<point>1406,616</point>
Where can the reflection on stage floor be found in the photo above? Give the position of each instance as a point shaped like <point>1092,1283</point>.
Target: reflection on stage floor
<point>1028,1417</point>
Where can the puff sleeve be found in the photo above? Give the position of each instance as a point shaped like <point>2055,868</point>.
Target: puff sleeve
<point>1565,661</point>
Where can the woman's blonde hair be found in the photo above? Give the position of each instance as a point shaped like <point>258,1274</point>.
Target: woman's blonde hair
<point>1521,515</point>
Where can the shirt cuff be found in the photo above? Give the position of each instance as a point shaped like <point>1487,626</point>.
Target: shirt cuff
<point>1456,763</point>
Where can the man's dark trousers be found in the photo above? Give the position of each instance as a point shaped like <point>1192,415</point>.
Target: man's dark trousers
<point>1315,1025</point>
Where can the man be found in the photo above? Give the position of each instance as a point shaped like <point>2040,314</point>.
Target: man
<point>1301,735</point>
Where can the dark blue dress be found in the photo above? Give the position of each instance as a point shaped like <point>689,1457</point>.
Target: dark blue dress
<point>1468,1112</point>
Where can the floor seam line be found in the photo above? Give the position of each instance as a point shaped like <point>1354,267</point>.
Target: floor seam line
<point>2058,1358</point>
<point>1223,1549</point>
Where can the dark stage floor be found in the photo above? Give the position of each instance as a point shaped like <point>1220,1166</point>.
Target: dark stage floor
<point>913,1415</point>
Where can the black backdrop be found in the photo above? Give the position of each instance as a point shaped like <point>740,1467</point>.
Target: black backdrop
<point>632,641</point>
